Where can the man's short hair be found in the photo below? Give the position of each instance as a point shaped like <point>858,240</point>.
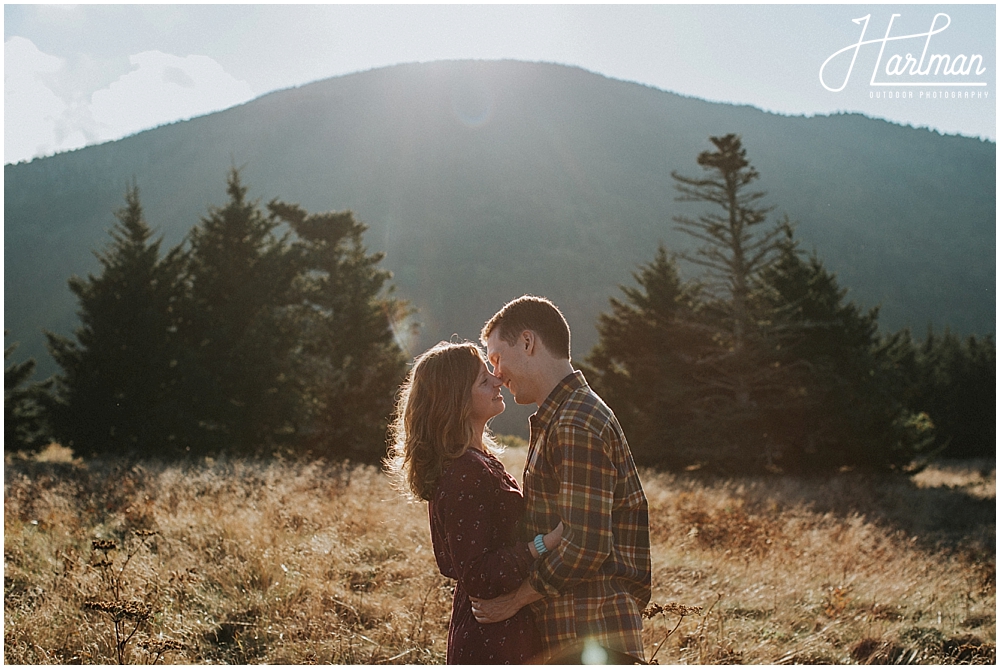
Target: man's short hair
<point>531,313</point>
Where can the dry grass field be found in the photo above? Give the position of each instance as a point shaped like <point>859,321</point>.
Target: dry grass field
<point>293,562</point>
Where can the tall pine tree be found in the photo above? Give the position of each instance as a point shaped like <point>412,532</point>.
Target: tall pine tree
<point>737,377</point>
<point>841,404</point>
<point>347,358</point>
<point>271,330</point>
<point>240,276</point>
<point>121,368</point>
<point>761,364</point>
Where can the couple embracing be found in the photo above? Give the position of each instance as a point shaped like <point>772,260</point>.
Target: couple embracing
<point>557,570</point>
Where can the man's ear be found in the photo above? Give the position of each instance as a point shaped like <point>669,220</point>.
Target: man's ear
<point>528,340</point>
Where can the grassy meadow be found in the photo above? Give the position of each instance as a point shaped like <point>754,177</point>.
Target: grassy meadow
<point>296,562</point>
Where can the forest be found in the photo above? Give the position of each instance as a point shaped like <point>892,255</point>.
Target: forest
<point>270,329</point>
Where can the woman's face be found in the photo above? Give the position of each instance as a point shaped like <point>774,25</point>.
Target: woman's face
<point>486,398</point>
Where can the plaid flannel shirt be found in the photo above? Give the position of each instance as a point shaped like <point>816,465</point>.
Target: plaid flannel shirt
<point>580,470</point>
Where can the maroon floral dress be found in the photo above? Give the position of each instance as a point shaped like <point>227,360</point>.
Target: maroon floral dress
<point>472,517</point>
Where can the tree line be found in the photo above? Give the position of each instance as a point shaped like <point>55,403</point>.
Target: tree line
<point>266,329</point>
<point>272,328</point>
<point>760,362</point>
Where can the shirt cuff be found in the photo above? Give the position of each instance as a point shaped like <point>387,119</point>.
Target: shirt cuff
<point>540,586</point>
<point>523,557</point>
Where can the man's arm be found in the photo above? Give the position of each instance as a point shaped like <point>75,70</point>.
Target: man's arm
<point>581,461</point>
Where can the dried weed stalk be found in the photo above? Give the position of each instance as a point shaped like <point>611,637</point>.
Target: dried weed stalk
<point>127,616</point>
<point>672,608</point>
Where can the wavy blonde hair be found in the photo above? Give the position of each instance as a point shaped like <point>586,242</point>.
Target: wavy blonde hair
<point>431,425</point>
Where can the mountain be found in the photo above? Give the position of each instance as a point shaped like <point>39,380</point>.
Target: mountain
<point>483,180</point>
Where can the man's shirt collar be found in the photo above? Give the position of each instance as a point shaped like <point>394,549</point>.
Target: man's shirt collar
<point>547,409</point>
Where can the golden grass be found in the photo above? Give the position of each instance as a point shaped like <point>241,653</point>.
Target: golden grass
<point>295,562</point>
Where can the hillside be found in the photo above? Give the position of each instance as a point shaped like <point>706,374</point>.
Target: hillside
<point>485,180</point>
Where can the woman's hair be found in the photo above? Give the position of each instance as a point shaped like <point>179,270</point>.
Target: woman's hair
<point>431,425</point>
<point>531,313</point>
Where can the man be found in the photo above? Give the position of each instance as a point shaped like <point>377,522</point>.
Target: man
<point>595,584</point>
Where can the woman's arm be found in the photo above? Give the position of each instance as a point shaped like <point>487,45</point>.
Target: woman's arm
<point>469,507</point>
<point>507,605</point>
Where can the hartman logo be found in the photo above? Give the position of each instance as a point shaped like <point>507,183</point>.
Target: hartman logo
<point>909,60</point>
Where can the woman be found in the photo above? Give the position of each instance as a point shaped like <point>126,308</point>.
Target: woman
<point>441,452</point>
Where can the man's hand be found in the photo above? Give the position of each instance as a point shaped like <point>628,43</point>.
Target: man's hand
<point>503,607</point>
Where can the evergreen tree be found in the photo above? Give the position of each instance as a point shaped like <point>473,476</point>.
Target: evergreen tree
<point>733,251</point>
<point>24,425</point>
<point>240,276</point>
<point>954,382</point>
<point>249,341</point>
<point>644,364</point>
<point>737,378</point>
<point>120,369</point>
<point>841,404</point>
<point>348,360</point>
<point>762,364</point>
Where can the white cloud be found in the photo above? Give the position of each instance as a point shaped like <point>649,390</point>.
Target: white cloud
<point>47,108</point>
<point>164,88</point>
<point>32,111</point>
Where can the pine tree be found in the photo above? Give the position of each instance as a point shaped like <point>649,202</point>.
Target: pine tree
<point>24,424</point>
<point>120,369</point>
<point>240,275</point>
<point>738,378</point>
<point>733,252</point>
<point>971,424</point>
<point>841,404</point>
<point>349,361</point>
<point>954,382</point>
<point>644,364</point>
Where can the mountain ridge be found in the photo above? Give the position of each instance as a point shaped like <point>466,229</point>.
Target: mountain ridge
<point>482,174</point>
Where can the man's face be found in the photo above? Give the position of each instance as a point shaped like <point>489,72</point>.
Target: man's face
<point>510,365</point>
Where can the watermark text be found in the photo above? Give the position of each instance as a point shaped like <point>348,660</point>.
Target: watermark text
<point>929,70</point>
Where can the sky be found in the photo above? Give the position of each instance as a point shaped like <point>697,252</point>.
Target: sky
<point>82,74</point>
